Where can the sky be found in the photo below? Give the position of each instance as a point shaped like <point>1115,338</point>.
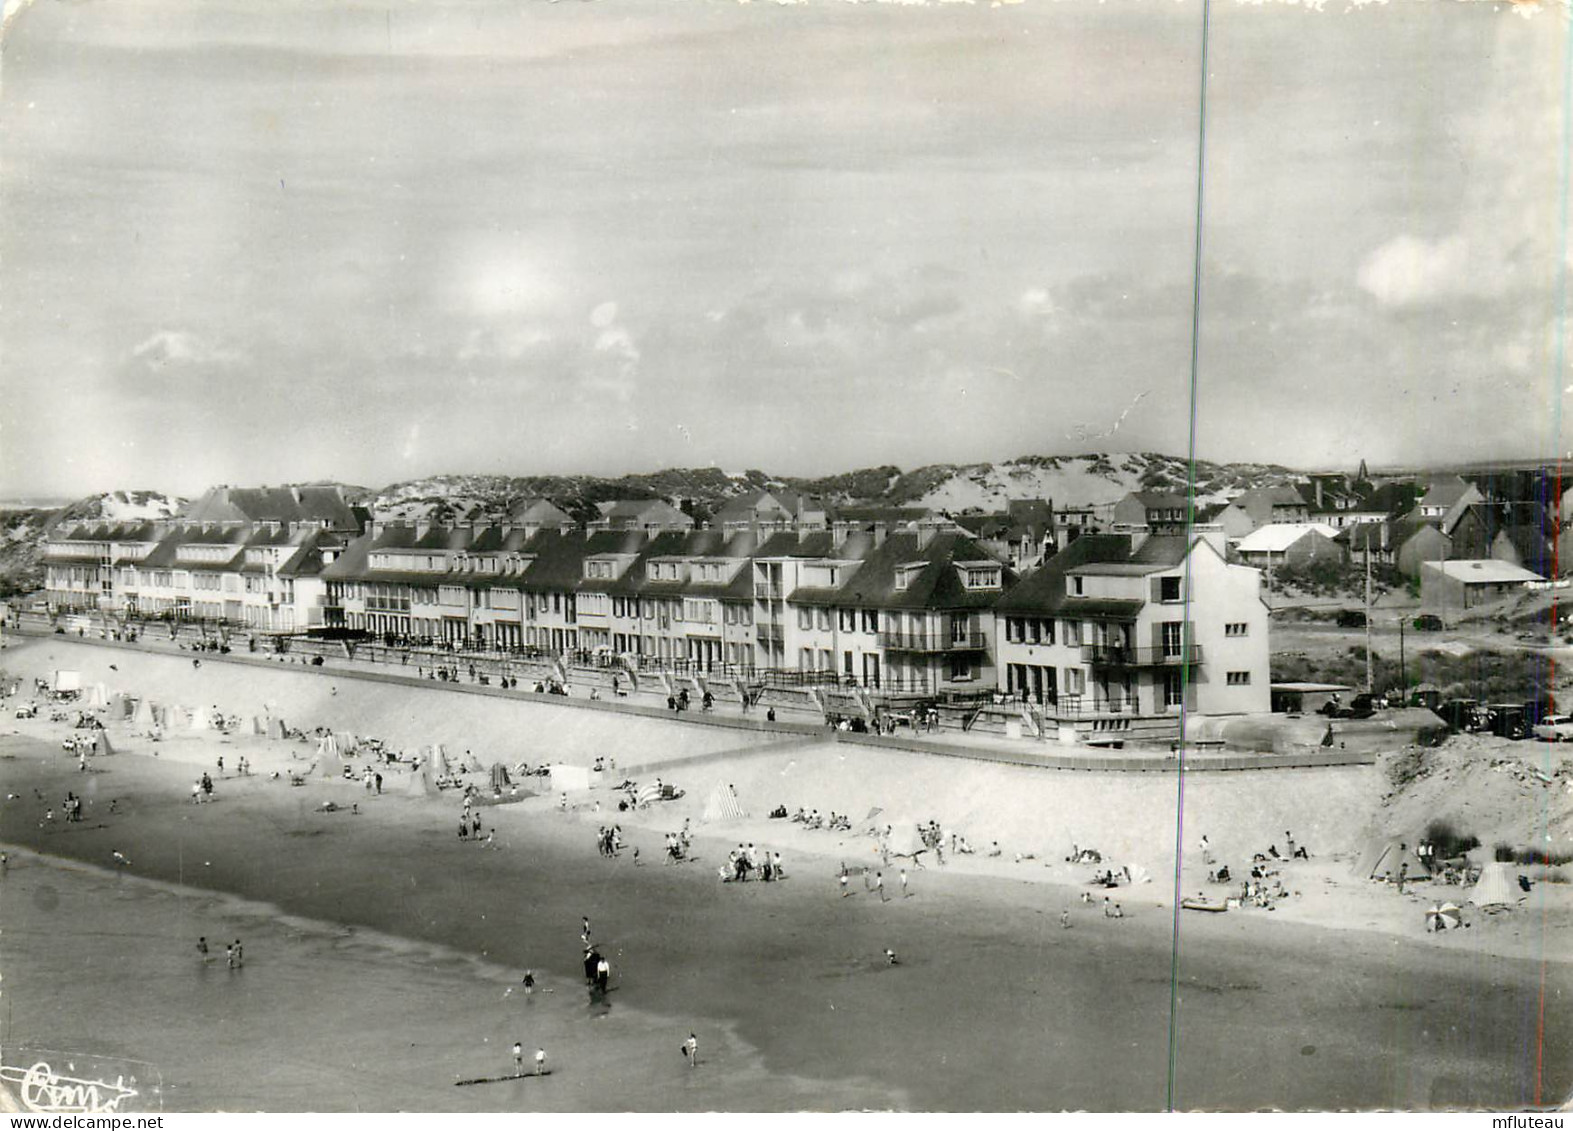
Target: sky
<point>263,243</point>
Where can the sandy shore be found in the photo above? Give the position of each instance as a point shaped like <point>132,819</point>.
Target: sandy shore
<point>994,1005</point>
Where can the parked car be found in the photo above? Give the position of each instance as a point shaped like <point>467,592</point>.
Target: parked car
<point>1460,714</point>
<point>1428,622</point>
<point>1555,728</point>
<point>1351,618</point>
<point>1508,720</point>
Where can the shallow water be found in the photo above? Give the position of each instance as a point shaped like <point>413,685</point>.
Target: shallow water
<point>101,971</point>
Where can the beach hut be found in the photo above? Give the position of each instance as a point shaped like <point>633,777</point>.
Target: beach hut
<point>144,715</point>
<point>99,696</point>
<point>200,720</point>
<point>1384,859</point>
<point>500,777</point>
<point>258,725</point>
<point>569,779</point>
<point>119,706</point>
<point>724,805</point>
<point>101,743</point>
<point>1496,889</point>
<point>328,746</point>
<point>275,728</point>
<point>67,680</point>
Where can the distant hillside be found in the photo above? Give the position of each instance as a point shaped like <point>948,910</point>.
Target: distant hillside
<point>956,489</point>
<point>23,529</point>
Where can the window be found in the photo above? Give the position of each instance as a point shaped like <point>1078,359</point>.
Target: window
<point>1236,629</point>
<point>870,622</point>
<point>805,619</point>
<point>1169,588</point>
<point>1077,587</point>
<point>1173,689</point>
<point>960,669</point>
<point>1075,681</point>
<point>824,620</point>
<point>1173,636</point>
<point>1239,679</point>
<point>1013,630</point>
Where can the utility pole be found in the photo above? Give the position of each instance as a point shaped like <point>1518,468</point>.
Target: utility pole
<point>1403,677</point>
<point>1369,681</point>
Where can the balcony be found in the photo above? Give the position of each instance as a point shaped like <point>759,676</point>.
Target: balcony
<point>772,634</point>
<point>933,642</point>
<point>1117,656</point>
<point>769,590</point>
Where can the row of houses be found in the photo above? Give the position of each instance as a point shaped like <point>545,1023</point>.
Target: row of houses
<point>1120,627</point>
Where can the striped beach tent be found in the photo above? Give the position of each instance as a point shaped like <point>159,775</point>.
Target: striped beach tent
<point>200,720</point>
<point>258,725</point>
<point>101,743</point>
<point>724,805</point>
<point>275,728</point>
<point>648,794</point>
<point>145,716</point>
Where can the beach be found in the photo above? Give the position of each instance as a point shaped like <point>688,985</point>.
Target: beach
<point>383,922</point>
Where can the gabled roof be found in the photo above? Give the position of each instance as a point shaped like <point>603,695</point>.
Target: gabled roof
<point>539,512</point>
<point>774,504</point>
<point>1276,537</point>
<point>937,585</point>
<point>1279,496</point>
<point>1043,590</point>
<point>1446,491</point>
<point>323,505</point>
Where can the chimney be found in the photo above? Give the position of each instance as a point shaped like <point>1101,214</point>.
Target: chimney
<point>1318,482</point>
<point>506,528</point>
<point>879,534</point>
<point>422,528</point>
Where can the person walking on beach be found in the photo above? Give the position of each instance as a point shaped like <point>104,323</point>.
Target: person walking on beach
<point>904,891</point>
<point>584,934</point>
<point>540,1062</point>
<point>844,891</point>
<point>529,982</point>
<point>240,955</point>
<point>379,783</point>
<point>603,973</point>
<point>879,885</point>
<point>518,1059</point>
<point>229,955</point>
<point>1065,918</point>
<point>202,947</point>
<point>691,1051</point>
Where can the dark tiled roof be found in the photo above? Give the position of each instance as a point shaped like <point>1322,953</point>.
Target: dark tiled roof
<point>1043,590</point>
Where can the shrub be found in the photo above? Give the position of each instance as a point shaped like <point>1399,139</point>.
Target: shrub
<point>1502,853</point>
<point>1541,856</point>
<point>1448,840</point>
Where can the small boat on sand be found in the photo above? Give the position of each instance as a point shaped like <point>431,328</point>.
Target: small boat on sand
<point>1202,903</point>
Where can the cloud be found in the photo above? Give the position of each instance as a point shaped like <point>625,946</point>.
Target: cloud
<point>1407,271</point>
<point>507,343</point>
<point>603,315</point>
<point>168,347</point>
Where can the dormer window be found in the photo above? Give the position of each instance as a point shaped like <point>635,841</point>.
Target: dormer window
<point>1077,586</point>
<point>982,577</point>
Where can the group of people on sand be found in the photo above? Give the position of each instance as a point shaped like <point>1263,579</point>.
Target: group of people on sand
<point>1263,887</point>
<point>744,860</point>
<point>609,839</point>
<point>234,953</point>
<point>677,844</point>
<point>836,822</point>
<point>202,789</point>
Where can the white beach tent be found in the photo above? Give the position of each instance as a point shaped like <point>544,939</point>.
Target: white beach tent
<point>422,783</point>
<point>99,696</point>
<point>1496,888</point>
<point>101,743</point>
<point>1137,874</point>
<point>570,779</point>
<point>275,728</point>
<point>119,706</point>
<point>258,726</point>
<point>67,680</point>
<point>144,716</point>
<point>904,839</point>
<point>200,720</point>
<point>1384,859</point>
<point>724,805</point>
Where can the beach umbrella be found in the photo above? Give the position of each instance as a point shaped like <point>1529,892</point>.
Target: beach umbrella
<point>874,812</point>
<point>1444,918</point>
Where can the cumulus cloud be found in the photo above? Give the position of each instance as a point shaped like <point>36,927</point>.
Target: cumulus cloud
<point>181,347</point>
<point>1407,271</point>
<point>507,343</point>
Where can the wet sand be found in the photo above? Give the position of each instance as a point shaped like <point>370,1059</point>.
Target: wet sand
<point>994,1005</point>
